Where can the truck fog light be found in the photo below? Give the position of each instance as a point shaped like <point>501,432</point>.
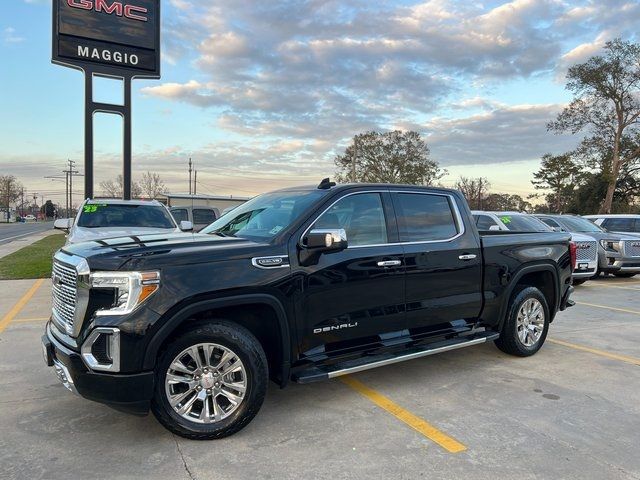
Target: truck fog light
<point>101,350</point>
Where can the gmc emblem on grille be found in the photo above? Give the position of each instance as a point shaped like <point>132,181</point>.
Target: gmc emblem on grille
<point>636,244</point>
<point>583,245</point>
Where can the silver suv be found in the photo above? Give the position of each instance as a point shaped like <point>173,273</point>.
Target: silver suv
<point>617,253</point>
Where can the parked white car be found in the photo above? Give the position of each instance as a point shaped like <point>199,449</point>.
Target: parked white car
<point>101,219</point>
<point>586,246</point>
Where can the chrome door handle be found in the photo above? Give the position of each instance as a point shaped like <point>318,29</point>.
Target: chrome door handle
<point>389,263</point>
<point>468,256</point>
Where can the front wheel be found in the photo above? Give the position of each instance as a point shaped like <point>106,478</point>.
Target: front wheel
<point>625,275</point>
<point>210,382</point>
<point>525,328</point>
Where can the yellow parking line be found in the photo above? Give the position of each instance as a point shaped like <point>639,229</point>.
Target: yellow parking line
<point>595,351</point>
<point>30,320</point>
<point>6,320</point>
<point>606,307</point>
<point>415,422</point>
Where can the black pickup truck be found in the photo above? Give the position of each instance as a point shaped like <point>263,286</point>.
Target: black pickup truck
<point>302,284</point>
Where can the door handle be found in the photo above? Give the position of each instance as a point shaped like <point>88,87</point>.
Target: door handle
<point>467,256</point>
<point>389,263</point>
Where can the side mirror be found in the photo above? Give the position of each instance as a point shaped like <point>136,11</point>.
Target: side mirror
<point>186,226</point>
<point>557,229</point>
<point>494,228</point>
<point>63,224</point>
<point>320,241</point>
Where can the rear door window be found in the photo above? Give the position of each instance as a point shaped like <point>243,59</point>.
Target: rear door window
<point>203,215</point>
<point>425,217</point>
<point>180,214</point>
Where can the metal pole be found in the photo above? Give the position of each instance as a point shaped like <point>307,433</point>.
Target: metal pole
<point>126,174</point>
<point>88,134</point>
<point>195,182</point>
<point>66,194</point>
<point>190,175</point>
<point>71,162</point>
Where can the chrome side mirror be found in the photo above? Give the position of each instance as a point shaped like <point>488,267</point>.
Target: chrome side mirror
<point>186,226</point>
<point>319,241</point>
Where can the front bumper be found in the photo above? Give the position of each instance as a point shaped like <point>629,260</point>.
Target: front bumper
<point>130,393</point>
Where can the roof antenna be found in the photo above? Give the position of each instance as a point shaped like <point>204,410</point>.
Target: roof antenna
<point>326,184</point>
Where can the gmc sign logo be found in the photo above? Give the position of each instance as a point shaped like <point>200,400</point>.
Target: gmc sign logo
<point>120,9</point>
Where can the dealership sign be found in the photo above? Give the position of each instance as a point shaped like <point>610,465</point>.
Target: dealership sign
<point>108,36</point>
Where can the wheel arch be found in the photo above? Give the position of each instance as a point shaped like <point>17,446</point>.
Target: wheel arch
<point>534,276</point>
<point>237,303</point>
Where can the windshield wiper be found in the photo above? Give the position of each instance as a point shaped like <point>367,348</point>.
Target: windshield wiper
<point>220,234</point>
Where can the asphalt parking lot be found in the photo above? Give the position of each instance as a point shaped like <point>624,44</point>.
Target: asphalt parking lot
<point>571,411</point>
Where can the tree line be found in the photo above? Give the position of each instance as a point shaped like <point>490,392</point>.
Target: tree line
<point>601,175</point>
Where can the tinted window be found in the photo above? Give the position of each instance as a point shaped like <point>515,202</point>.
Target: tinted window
<point>202,215</point>
<point>484,222</point>
<point>100,215</point>
<point>264,216</point>
<point>619,224</point>
<point>362,217</point>
<point>180,214</point>
<point>579,224</point>
<point>424,217</point>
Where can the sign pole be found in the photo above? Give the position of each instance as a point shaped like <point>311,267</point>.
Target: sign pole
<point>126,173</point>
<point>88,134</point>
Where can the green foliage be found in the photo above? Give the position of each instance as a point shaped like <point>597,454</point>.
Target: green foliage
<point>558,174</point>
<point>389,157</point>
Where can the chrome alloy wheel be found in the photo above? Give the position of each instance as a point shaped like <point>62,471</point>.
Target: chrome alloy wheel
<point>206,383</point>
<point>530,322</point>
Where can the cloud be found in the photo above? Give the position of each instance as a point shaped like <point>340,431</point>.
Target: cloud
<point>9,35</point>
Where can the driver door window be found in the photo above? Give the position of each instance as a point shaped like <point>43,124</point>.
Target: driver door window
<point>360,215</point>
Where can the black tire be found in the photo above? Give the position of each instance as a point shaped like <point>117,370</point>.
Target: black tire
<point>509,341</point>
<point>625,275</point>
<point>579,281</point>
<point>247,348</point>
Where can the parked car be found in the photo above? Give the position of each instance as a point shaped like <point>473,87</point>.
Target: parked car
<point>629,246</point>
<point>302,284</point>
<point>199,216</point>
<point>110,218</point>
<point>587,247</point>
<point>611,246</point>
<point>508,222</point>
<point>30,218</point>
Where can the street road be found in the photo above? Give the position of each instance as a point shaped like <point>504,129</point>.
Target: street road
<point>13,231</point>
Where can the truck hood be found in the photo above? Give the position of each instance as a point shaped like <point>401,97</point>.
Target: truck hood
<point>156,251</point>
<point>83,234</point>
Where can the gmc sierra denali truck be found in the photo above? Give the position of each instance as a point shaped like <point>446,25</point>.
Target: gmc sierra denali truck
<point>302,284</point>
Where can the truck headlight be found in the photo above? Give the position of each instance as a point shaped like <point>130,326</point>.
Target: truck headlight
<point>131,289</point>
<point>610,245</point>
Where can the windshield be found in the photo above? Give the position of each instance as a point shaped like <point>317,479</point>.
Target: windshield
<point>524,223</point>
<point>263,217</point>
<point>578,224</point>
<point>101,215</point>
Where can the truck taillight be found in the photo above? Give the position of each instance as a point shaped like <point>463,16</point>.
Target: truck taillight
<point>573,254</point>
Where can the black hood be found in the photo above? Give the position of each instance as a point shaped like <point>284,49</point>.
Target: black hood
<point>150,251</point>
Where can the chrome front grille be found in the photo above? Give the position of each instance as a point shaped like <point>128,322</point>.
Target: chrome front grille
<point>632,248</point>
<point>64,295</point>
<point>587,251</point>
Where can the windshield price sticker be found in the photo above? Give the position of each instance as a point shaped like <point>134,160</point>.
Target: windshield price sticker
<point>92,208</point>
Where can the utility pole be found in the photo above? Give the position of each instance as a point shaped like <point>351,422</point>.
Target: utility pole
<point>190,165</point>
<point>195,182</point>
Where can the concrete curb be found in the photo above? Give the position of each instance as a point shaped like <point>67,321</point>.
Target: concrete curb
<point>15,245</point>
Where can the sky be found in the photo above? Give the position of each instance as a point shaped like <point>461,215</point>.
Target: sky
<point>263,95</point>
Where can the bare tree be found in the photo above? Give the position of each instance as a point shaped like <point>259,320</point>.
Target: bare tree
<point>389,157</point>
<point>606,105</point>
<point>475,190</point>
<point>152,185</point>
<point>115,188</point>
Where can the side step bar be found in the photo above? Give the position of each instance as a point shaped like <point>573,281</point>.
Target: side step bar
<point>317,374</point>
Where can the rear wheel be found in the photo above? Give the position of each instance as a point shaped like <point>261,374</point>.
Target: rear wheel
<point>525,328</point>
<point>210,382</point>
<point>625,275</point>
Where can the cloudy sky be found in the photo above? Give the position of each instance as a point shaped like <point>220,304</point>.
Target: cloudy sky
<point>264,94</point>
